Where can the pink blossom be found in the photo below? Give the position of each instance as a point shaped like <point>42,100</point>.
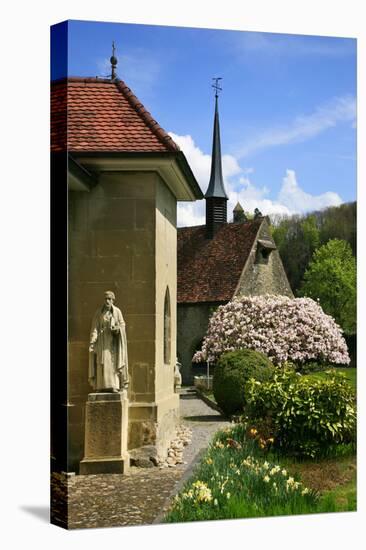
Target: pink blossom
<point>282,328</point>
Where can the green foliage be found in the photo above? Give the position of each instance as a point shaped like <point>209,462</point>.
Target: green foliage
<point>232,372</point>
<point>312,366</point>
<point>307,367</point>
<point>331,278</point>
<point>349,373</point>
<point>339,222</point>
<point>232,481</point>
<point>297,237</point>
<point>306,416</point>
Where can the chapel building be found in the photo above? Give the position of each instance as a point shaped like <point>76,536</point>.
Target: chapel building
<point>219,260</point>
<point>125,175</point>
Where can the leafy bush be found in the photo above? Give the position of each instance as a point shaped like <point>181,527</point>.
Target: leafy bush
<point>232,372</point>
<point>310,366</point>
<point>282,328</point>
<point>304,416</point>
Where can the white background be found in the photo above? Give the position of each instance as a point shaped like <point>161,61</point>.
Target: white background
<point>24,271</point>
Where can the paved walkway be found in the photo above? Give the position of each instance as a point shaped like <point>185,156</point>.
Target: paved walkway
<point>143,495</point>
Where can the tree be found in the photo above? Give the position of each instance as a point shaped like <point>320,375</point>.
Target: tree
<point>331,279</point>
<point>297,236</point>
<point>296,239</point>
<point>282,328</point>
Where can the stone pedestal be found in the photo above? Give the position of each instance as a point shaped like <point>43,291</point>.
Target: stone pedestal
<point>106,432</point>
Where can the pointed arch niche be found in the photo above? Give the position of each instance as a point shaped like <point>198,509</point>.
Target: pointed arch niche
<point>167,328</point>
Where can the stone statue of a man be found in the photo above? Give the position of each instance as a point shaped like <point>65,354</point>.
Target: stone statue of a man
<point>177,376</point>
<point>108,362</point>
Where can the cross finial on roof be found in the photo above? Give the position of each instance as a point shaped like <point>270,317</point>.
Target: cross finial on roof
<point>113,61</point>
<point>216,85</point>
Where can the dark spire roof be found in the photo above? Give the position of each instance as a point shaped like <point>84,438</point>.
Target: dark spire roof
<point>238,208</point>
<point>216,186</point>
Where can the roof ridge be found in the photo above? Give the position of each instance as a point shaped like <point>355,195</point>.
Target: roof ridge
<point>191,226</point>
<point>154,126</point>
<point>96,79</point>
<point>229,224</point>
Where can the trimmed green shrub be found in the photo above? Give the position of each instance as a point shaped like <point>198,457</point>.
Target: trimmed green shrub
<point>304,416</point>
<point>231,374</point>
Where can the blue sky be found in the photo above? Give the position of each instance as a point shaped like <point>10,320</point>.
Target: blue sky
<point>287,109</point>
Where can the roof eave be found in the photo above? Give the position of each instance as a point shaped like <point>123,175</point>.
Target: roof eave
<point>79,179</point>
<point>172,167</point>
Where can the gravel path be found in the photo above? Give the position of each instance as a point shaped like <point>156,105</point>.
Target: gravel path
<point>143,495</point>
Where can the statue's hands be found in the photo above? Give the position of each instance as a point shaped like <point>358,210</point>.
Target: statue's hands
<point>91,348</point>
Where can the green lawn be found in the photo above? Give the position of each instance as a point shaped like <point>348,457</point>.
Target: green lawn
<point>340,499</point>
<point>334,479</point>
<point>351,374</point>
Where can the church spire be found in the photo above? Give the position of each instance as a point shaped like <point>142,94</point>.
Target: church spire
<point>216,197</point>
<point>216,186</point>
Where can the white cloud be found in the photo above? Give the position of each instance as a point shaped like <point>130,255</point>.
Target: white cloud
<point>191,213</point>
<point>201,163</point>
<point>303,127</point>
<point>297,200</point>
<point>291,198</point>
<point>198,161</point>
<point>251,197</point>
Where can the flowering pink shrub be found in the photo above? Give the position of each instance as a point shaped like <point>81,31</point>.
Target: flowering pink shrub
<point>282,328</point>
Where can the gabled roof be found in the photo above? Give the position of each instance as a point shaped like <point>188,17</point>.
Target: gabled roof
<point>209,269</point>
<point>101,115</point>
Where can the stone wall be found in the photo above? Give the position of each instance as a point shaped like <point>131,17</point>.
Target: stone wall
<point>117,232</point>
<point>262,276</point>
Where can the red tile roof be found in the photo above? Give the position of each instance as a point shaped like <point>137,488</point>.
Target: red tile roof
<point>94,114</point>
<point>209,269</point>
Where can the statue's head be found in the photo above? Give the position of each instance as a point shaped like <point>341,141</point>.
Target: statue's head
<point>109,298</point>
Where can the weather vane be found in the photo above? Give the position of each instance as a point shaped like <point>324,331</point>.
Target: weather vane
<point>113,61</point>
<point>216,85</point>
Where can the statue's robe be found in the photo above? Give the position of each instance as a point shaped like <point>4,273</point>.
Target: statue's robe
<point>108,362</point>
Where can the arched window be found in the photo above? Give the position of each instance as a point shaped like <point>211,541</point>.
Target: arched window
<point>167,328</point>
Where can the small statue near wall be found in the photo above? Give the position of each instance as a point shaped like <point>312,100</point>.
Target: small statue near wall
<point>177,376</point>
<point>108,360</point>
